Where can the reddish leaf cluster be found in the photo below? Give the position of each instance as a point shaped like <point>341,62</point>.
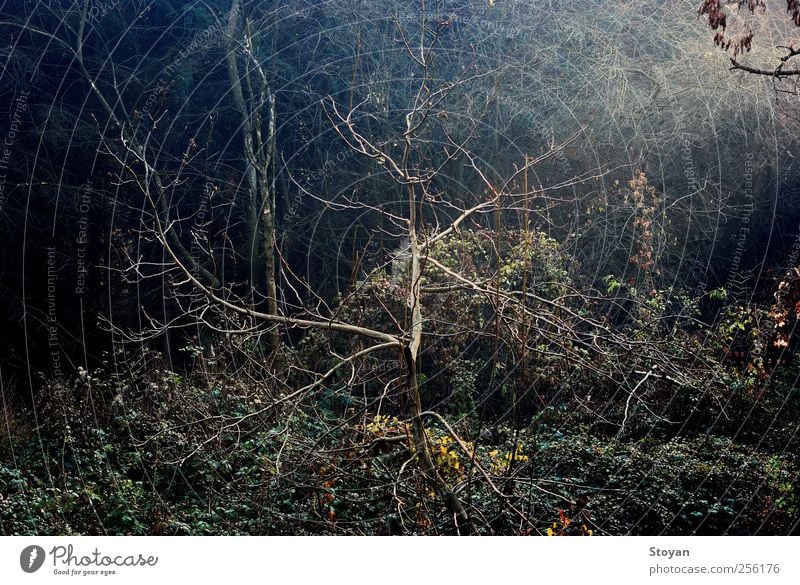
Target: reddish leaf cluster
<point>785,312</point>
<point>793,6</point>
<point>645,198</point>
<point>717,19</point>
<point>716,16</point>
<point>741,45</point>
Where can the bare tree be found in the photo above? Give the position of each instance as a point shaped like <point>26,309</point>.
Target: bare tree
<point>518,287</point>
<point>259,154</point>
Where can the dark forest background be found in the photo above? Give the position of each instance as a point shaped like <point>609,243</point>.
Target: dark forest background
<point>357,267</point>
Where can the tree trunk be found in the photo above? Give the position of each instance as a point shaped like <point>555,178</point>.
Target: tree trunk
<point>257,161</point>
<point>410,355</point>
